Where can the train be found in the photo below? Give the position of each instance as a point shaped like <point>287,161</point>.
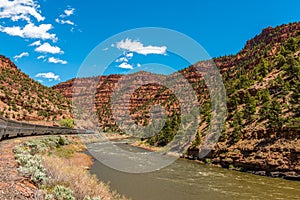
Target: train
<point>10,129</point>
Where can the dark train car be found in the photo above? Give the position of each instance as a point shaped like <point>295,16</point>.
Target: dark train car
<point>41,130</point>
<point>10,128</point>
<point>3,123</point>
<point>13,128</point>
<point>27,129</point>
<point>53,130</point>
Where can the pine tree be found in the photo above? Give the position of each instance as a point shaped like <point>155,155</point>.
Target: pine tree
<point>250,108</point>
<point>275,111</point>
<point>263,68</point>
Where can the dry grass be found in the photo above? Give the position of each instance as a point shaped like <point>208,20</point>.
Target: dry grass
<point>72,173</point>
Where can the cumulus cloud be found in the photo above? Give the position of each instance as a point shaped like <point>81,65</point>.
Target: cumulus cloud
<point>122,59</point>
<point>69,12</point>
<point>56,61</point>
<point>29,11</point>
<point>60,21</point>
<point>17,57</point>
<point>62,18</point>
<point>129,55</point>
<point>125,58</point>
<point>20,10</point>
<point>49,75</point>
<point>31,31</point>
<point>47,48</point>
<point>40,57</point>
<point>125,65</point>
<point>137,47</point>
<point>37,43</point>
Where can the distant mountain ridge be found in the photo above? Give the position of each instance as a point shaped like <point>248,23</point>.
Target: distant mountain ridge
<point>262,83</point>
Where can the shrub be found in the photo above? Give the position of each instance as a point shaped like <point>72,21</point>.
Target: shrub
<point>31,166</point>
<point>231,166</point>
<point>61,193</point>
<point>69,123</point>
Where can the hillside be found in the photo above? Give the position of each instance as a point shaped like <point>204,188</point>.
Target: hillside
<point>262,83</point>
<point>23,99</point>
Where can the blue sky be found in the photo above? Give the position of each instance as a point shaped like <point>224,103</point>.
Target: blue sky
<point>50,39</point>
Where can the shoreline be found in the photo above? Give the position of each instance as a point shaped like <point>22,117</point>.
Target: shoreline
<point>288,175</point>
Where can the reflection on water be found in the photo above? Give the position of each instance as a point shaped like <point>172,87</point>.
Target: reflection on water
<point>190,180</point>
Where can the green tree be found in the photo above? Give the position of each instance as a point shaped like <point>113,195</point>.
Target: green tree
<point>263,67</point>
<point>250,108</point>
<point>237,126</point>
<point>263,96</point>
<point>275,112</point>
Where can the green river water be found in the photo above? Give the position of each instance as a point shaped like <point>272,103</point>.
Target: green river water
<point>189,180</point>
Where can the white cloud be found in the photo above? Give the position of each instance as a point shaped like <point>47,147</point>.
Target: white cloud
<point>125,58</point>
<point>69,11</point>
<point>56,61</point>
<point>37,43</point>
<point>138,47</point>
<point>40,57</point>
<point>122,59</point>
<point>40,81</point>
<point>47,48</point>
<point>60,21</point>
<point>129,55</point>
<point>49,75</point>
<point>21,55</point>
<point>125,65</point>
<point>139,65</point>
<point>31,31</point>
<point>20,10</point>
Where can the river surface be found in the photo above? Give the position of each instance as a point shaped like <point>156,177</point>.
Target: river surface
<point>189,180</point>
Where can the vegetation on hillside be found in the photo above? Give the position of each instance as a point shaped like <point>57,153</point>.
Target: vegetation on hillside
<point>22,98</point>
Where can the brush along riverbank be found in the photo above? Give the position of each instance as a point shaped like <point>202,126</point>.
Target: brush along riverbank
<point>59,168</point>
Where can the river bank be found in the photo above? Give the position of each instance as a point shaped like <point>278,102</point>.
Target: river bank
<point>232,161</point>
<point>50,167</point>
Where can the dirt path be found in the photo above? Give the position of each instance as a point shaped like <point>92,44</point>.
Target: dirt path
<point>12,185</point>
